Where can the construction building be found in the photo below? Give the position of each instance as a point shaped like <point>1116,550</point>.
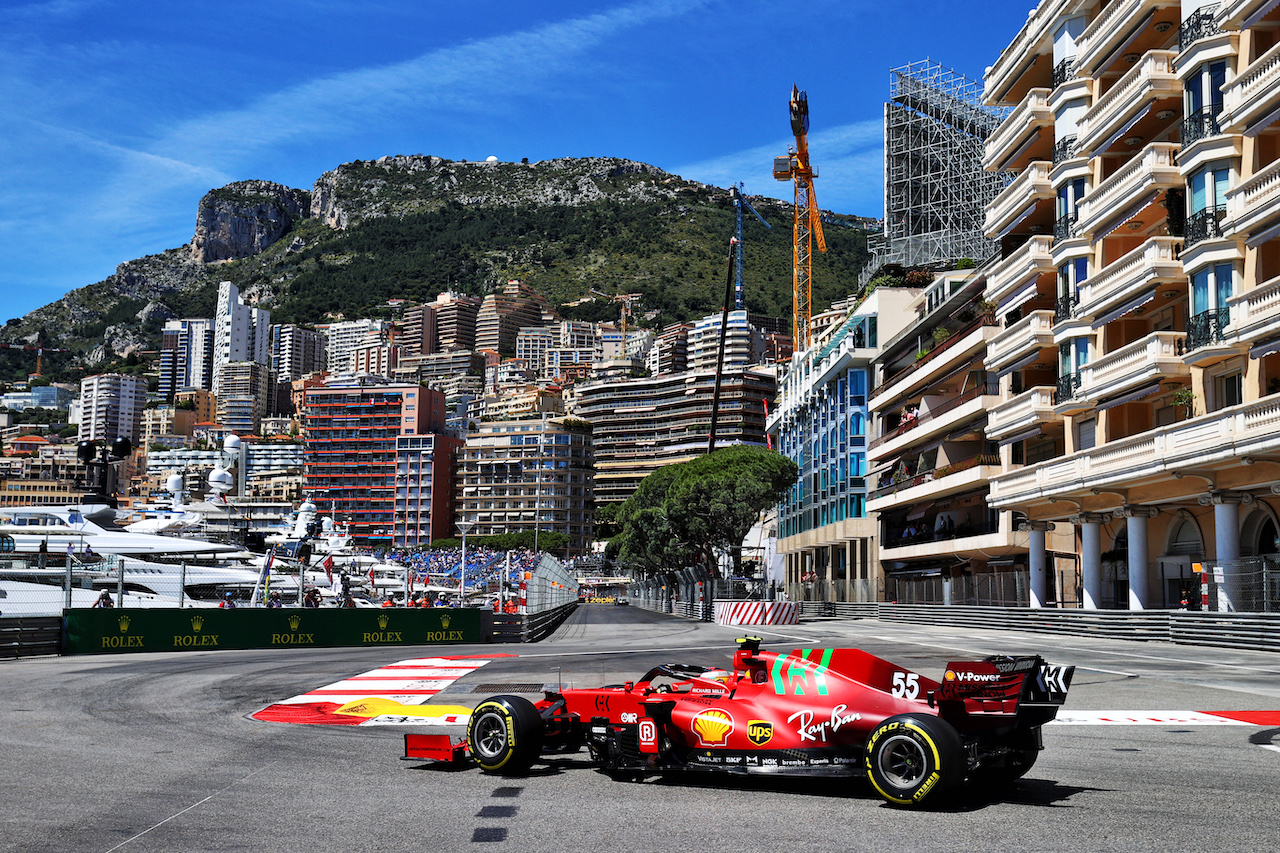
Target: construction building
<point>935,190</point>
<point>530,474</point>
<point>1140,264</point>
<point>352,434</point>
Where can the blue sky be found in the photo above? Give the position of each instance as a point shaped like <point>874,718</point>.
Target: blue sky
<point>116,117</point>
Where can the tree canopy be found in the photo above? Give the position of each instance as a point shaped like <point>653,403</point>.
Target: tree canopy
<point>688,514</point>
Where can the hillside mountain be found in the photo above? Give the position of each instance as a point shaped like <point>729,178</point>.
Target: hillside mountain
<point>411,226</point>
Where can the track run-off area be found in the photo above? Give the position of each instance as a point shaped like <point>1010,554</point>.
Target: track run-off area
<point>1159,747</point>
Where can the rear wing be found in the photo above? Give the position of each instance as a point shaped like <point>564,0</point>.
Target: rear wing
<point>1005,685</point>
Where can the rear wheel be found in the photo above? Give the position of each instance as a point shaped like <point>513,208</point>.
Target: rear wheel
<point>1023,752</point>
<point>504,735</point>
<point>909,758</point>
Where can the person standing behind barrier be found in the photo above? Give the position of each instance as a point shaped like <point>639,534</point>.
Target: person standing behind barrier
<point>228,601</point>
<point>104,600</point>
<point>43,552</point>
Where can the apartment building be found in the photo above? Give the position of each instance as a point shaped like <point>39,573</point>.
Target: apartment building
<point>111,407</point>
<point>530,474</point>
<point>240,332</point>
<point>456,321</point>
<point>642,424</point>
<point>186,356</point>
<point>425,486</point>
<point>1138,285</point>
<point>825,533</point>
<point>502,315</point>
<point>352,432</point>
<point>247,393</point>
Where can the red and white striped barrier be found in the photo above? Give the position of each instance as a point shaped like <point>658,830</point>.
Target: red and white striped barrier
<point>756,613</point>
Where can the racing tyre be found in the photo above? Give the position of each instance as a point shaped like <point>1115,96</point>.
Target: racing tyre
<point>504,735</point>
<point>1023,752</point>
<point>909,758</point>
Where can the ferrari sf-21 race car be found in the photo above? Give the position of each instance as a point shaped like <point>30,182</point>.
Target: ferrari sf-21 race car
<point>813,712</point>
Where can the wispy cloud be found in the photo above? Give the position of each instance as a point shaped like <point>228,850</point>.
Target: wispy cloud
<point>849,160</point>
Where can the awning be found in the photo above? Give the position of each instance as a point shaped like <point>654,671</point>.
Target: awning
<point>968,429</point>
<point>1026,143</point>
<point>1131,305</point>
<point>1128,40</point>
<point>1130,212</point>
<point>1124,128</point>
<point>1017,220</point>
<point>1263,236</point>
<point>1145,391</point>
<point>881,468</point>
<point>919,510</point>
<point>1265,349</point>
<point>1024,293</point>
<point>1019,364</point>
<point>1021,436</point>
<point>1252,21</point>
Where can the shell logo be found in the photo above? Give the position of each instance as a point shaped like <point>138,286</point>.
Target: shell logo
<point>712,727</point>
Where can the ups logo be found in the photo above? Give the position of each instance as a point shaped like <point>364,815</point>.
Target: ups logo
<point>759,732</point>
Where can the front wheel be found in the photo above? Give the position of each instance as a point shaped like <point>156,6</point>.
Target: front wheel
<point>504,735</point>
<point>909,758</point>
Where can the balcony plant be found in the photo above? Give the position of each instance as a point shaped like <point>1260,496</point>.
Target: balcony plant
<point>1185,398</point>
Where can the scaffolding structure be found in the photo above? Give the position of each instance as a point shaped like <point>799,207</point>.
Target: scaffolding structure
<point>935,189</point>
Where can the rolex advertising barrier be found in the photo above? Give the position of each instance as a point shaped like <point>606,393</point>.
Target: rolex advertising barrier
<point>94,631</point>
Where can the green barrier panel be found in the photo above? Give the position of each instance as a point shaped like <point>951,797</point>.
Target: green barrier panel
<point>95,631</point>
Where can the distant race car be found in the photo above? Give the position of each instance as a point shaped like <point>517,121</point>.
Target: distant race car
<point>814,712</point>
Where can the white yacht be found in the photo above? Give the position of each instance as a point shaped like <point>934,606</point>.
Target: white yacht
<point>86,527</point>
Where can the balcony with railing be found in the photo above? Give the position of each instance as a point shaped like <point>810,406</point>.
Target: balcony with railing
<point>1200,24</point>
<point>1023,136</point>
<point>1253,95</point>
<point>1201,124</point>
<point>1205,225</point>
<point>1257,313</point>
<point>1114,29</point>
<point>1033,332</point>
<point>1140,180</point>
<point>940,418</point>
<point>1128,277</point>
<point>1214,441</point>
<point>1068,396</point>
<point>1206,328</point>
<point>966,343</point>
<point>1064,228</point>
<point>1152,79</point>
<point>1032,258</point>
<point>948,479</point>
<point>1035,39</point>
<point>1033,407</point>
<point>1064,71</point>
<point>1154,357</point>
<point>1029,188</point>
<point>1254,203</point>
<point>1064,149</point>
<point>1064,308</point>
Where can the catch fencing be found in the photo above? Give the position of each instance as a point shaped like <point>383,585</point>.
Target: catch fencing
<point>548,594</point>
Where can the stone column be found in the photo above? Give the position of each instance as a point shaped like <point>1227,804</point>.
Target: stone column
<point>1139,571</point>
<point>1226,535</point>
<point>1091,556</point>
<point>1036,561</point>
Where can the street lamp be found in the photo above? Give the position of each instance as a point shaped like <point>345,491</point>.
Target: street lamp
<point>465,527</point>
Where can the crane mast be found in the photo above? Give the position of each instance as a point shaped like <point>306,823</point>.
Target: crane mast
<point>740,201</point>
<point>807,223</point>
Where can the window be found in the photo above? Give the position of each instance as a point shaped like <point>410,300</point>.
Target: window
<point>1228,390</point>
<point>1208,203</point>
<point>1211,290</point>
<point>1203,101</point>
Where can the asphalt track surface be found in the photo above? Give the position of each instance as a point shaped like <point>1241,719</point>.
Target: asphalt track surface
<point>156,752</point>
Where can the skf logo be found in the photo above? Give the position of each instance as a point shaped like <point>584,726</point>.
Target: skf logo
<point>124,623</point>
<point>444,620</point>
<point>294,621</point>
<point>382,620</point>
<point>712,727</point>
<point>759,732</point>
<point>197,622</point>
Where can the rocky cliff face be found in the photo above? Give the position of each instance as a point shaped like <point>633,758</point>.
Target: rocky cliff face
<point>243,218</point>
<point>402,185</point>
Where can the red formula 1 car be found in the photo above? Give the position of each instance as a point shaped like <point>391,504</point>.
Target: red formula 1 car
<point>833,712</point>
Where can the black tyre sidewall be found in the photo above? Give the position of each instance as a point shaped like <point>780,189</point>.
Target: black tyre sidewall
<point>939,744</point>
<point>523,727</point>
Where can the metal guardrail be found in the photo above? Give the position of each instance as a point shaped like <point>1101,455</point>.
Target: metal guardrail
<point>510,628</point>
<point>30,635</point>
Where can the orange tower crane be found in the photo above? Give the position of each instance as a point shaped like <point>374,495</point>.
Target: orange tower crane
<point>808,222</point>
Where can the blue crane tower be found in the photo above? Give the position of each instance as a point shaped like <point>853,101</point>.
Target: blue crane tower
<point>739,201</point>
